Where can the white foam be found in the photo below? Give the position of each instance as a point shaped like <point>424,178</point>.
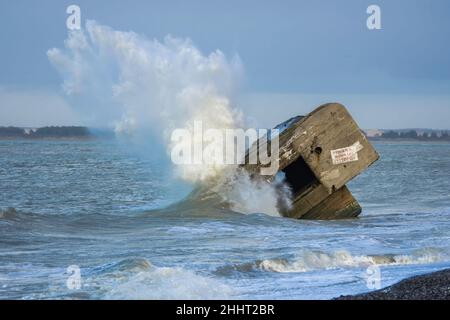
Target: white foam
<point>317,260</point>
<point>128,80</point>
<point>137,83</point>
<point>167,283</point>
<point>254,196</point>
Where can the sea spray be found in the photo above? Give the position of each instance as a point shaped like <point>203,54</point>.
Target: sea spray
<point>246,194</point>
<point>125,80</point>
<point>307,260</point>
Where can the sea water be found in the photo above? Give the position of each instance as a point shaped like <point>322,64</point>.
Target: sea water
<point>92,220</point>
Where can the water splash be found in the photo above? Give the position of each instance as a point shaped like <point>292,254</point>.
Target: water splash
<point>134,83</point>
<point>317,260</point>
<point>125,80</point>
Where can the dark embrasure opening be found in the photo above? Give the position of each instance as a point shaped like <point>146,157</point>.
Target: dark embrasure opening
<point>299,176</point>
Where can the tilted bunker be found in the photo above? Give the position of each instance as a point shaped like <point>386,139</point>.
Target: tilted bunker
<point>318,154</point>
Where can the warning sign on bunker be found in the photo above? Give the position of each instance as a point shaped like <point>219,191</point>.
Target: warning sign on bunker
<point>344,155</point>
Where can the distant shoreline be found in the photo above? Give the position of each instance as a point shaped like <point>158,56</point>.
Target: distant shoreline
<point>86,133</point>
<point>55,138</point>
<point>95,137</point>
<point>54,133</point>
<point>407,140</point>
<point>402,135</point>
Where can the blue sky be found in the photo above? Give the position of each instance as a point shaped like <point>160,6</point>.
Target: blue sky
<point>296,55</point>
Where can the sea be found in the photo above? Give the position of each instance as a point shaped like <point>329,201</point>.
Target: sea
<point>98,219</point>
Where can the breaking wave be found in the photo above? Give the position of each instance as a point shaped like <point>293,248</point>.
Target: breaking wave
<point>137,279</point>
<point>317,260</point>
<point>138,85</point>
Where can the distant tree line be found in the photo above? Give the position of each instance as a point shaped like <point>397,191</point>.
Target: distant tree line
<point>11,132</point>
<point>45,132</point>
<point>412,134</point>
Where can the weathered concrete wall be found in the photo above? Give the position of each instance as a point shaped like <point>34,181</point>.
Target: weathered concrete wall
<point>332,150</point>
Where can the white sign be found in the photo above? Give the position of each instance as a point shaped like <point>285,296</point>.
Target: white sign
<point>347,154</point>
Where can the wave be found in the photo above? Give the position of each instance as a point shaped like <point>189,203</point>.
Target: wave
<point>159,87</point>
<point>138,278</point>
<point>309,260</point>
